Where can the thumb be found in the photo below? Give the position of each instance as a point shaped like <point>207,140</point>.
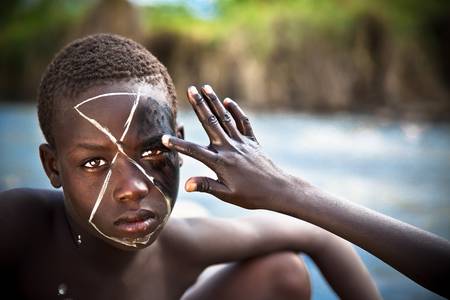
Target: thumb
<point>206,185</point>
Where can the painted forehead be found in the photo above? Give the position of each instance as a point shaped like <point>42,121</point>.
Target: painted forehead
<point>151,111</point>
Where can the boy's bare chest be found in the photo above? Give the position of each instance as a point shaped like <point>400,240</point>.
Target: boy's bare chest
<point>66,274</point>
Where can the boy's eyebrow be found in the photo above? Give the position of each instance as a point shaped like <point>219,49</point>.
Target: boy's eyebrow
<point>154,141</point>
<point>91,146</point>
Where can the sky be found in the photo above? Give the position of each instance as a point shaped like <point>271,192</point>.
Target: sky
<point>201,8</point>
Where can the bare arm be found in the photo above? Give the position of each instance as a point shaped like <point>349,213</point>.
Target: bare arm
<point>213,241</point>
<point>420,255</point>
<point>246,177</point>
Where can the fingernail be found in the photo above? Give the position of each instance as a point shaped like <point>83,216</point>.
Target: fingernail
<point>192,90</point>
<point>165,140</point>
<point>208,89</point>
<point>227,101</point>
<point>190,186</point>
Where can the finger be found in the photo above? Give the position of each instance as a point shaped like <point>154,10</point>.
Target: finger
<point>206,185</point>
<point>242,121</point>
<point>207,118</point>
<point>190,149</point>
<point>224,116</point>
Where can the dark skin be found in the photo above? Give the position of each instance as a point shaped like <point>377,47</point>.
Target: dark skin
<point>236,157</point>
<point>40,229</point>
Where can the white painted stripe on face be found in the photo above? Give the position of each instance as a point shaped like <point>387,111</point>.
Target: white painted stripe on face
<point>103,189</point>
<point>152,180</point>
<point>130,116</point>
<point>103,95</point>
<point>103,129</point>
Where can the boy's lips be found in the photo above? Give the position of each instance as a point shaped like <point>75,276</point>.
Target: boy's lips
<point>142,221</point>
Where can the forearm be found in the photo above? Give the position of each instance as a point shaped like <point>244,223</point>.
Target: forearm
<point>344,270</point>
<point>420,255</point>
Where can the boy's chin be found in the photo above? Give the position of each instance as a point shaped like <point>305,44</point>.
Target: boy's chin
<point>130,248</point>
<point>131,243</point>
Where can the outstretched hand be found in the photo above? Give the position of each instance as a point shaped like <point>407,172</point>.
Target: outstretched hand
<point>245,176</point>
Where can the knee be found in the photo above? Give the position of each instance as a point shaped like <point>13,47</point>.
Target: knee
<point>288,276</point>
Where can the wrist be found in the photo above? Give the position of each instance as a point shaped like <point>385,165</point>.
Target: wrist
<point>292,194</point>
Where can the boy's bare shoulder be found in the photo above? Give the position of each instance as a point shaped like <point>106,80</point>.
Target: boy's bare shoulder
<point>31,199</point>
<point>185,227</point>
<point>194,233</point>
<point>181,239</point>
<point>179,229</point>
<point>25,207</point>
<point>26,219</point>
<point>183,232</point>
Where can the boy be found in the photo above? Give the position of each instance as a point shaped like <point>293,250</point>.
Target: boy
<point>104,103</point>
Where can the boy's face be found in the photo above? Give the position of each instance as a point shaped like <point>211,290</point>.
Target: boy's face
<point>117,177</point>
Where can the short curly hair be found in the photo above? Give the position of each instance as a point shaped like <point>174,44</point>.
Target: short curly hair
<point>95,60</point>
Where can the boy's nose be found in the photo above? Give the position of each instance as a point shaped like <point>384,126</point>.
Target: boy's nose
<point>131,185</point>
<point>131,190</point>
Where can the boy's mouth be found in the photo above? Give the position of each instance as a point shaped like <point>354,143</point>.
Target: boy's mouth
<point>142,221</point>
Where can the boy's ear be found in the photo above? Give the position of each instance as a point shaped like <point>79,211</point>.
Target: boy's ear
<point>180,135</point>
<point>180,131</point>
<point>49,162</point>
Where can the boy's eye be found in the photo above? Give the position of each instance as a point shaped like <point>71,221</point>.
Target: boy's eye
<point>150,154</point>
<point>94,163</point>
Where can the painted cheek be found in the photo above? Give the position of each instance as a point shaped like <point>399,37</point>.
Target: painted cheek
<point>171,173</point>
<point>78,189</point>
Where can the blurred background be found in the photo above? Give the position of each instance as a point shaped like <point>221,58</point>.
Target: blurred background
<point>351,95</point>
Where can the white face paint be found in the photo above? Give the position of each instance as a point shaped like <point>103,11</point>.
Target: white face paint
<point>135,97</point>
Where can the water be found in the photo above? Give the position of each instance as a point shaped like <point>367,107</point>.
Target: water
<point>400,169</point>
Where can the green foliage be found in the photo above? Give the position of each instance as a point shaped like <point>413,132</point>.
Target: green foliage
<point>255,19</point>
<point>29,21</point>
<point>22,23</point>
<point>401,15</point>
<point>31,31</point>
